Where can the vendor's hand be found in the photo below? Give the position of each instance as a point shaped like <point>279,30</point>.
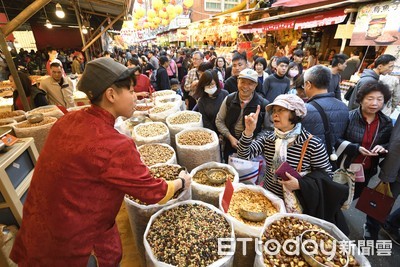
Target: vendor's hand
<point>379,149</point>
<point>187,177</point>
<point>233,140</point>
<point>250,122</point>
<point>366,152</point>
<point>291,184</point>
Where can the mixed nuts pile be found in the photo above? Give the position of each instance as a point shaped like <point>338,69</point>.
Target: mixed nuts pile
<point>290,228</point>
<point>250,201</point>
<point>184,118</point>
<point>162,108</point>
<point>201,177</point>
<point>151,130</point>
<point>27,124</point>
<point>195,138</point>
<point>154,153</point>
<point>187,235</point>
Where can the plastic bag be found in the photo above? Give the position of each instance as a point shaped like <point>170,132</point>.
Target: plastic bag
<point>153,158</point>
<point>139,216</point>
<point>122,127</point>
<point>225,261</point>
<point>327,226</point>
<point>192,156</point>
<point>248,231</point>
<point>248,170</point>
<point>206,193</point>
<point>176,128</point>
<point>161,138</point>
<point>39,133</point>
<point>49,110</point>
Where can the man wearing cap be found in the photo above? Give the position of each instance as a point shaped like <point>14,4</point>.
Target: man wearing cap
<point>230,118</point>
<point>84,170</point>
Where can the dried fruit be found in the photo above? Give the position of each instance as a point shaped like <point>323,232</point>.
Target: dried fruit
<point>10,114</point>
<point>195,138</point>
<point>162,108</point>
<point>185,117</point>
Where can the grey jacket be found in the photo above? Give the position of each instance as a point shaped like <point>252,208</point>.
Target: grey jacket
<point>366,77</point>
<point>390,167</point>
<point>336,111</point>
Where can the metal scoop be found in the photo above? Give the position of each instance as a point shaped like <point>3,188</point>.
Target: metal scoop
<point>217,176</point>
<point>252,215</point>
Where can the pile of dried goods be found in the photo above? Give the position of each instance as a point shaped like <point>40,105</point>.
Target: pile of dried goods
<point>27,124</point>
<point>156,153</point>
<point>184,118</point>
<point>151,130</point>
<point>290,228</point>
<point>162,108</point>
<point>250,201</point>
<point>202,178</point>
<point>195,138</point>
<point>187,235</point>
<point>18,115</point>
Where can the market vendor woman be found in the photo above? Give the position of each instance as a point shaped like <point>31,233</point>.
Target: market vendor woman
<point>83,172</point>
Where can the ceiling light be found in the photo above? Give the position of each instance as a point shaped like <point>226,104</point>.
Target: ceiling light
<point>59,11</point>
<point>84,30</point>
<point>234,16</point>
<point>48,24</point>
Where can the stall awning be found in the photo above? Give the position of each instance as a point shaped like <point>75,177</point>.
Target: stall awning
<point>268,26</point>
<point>322,19</point>
<point>294,3</point>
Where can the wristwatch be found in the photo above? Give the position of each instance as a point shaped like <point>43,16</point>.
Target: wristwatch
<point>183,182</point>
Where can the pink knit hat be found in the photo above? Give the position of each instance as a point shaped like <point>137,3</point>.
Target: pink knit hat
<point>290,102</point>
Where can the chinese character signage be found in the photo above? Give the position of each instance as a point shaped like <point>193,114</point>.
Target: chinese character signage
<point>377,24</point>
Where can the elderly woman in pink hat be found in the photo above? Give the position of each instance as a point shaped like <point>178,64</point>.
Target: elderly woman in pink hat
<point>284,144</point>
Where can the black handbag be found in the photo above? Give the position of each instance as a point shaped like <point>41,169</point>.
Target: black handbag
<point>349,92</point>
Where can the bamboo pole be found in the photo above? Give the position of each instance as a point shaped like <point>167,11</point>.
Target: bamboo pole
<point>98,29</point>
<point>22,17</point>
<point>105,29</point>
<point>78,18</point>
<point>14,71</point>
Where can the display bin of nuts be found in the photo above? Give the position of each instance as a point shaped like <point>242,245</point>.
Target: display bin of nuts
<point>283,227</point>
<point>209,181</point>
<point>163,93</point>
<point>183,120</point>
<point>197,146</point>
<point>160,113</point>
<point>249,207</point>
<point>139,213</point>
<point>150,133</point>
<point>49,111</point>
<point>152,154</point>
<point>78,108</point>
<point>162,100</point>
<point>186,234</point>
<point>7,122</point>
<point>38,130</point>
<point>142,109</point>
<point>18,115</point>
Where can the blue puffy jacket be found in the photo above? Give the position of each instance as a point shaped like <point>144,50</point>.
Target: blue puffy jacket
<point>336,111</point>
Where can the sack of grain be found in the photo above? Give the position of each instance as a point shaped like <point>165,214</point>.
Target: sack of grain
<point>168,99</point>
<point>183,120</point>
<point>288,228</point>
<point>49,111</point>
<point>139,213</point>
<point>150,133</point>
<point>142,109</point>
<point>196,146</point>
<point>38,131</point>
<point>189,233</point>
<point>18,115</point>
<point>163,93</point>
<point>205,190</point>
<point>160,113</point>
<point>157,153</point>
<point>7,122</point>
<point>251,198</point>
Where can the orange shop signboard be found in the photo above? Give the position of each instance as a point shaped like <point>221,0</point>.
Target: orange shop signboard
<point>377,24</point>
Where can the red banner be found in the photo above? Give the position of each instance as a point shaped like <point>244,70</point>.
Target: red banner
<point>321,19</point>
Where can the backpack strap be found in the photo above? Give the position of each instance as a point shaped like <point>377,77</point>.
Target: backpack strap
<point>303,152</point>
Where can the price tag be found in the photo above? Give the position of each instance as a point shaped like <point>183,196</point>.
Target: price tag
<point>9,139</point>
<point>226,198</point>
